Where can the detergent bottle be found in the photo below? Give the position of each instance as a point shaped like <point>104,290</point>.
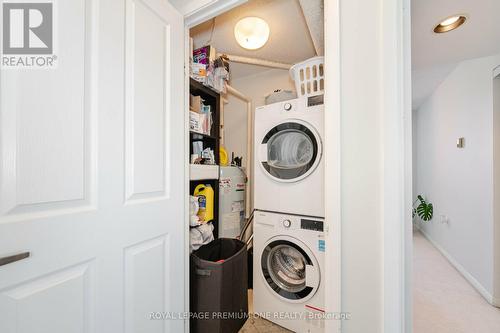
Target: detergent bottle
<point>205,194</point>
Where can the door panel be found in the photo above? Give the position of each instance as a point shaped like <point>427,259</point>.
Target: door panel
<point>147,58</point>
<point>146,284</point>
<point>65,294</point>
<point>91,182</point>
<point>46,132</point>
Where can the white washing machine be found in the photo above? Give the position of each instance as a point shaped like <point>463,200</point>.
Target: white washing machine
<point>288,282</point>
<point>288,161</point>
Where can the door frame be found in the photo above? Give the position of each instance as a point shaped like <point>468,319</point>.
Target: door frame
<point>199,13</point>
<point>396,100</point>
<point>332,171</point>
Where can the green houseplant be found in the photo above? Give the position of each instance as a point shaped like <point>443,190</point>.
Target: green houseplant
<point>424,209</point>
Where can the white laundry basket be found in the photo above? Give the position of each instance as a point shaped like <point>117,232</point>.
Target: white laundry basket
<point>309,76</point>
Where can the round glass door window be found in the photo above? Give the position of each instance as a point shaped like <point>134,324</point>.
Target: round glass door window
<point>283,264</point>
<point>292,151</point>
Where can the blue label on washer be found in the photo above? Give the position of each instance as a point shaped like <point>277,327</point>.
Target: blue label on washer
<point>321,245</point>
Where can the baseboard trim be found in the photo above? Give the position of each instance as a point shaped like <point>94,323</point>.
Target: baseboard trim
<point>472,280</point>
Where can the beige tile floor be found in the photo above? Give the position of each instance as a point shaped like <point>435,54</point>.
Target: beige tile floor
<point>258,325</point>
<point>443,301</point>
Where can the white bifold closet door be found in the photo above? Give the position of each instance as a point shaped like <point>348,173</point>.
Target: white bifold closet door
<point>92,174</point>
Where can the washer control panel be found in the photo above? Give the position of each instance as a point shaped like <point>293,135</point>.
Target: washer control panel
<point>308,224</point>
<point>289,222</point>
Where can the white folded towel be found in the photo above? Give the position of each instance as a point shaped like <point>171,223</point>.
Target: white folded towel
<point>200,235</point>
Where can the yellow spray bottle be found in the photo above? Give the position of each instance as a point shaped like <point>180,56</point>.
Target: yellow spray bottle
<point>205,194</point>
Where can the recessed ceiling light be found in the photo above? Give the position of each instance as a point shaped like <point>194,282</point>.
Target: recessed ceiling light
<point>251,32</point>
<point>450,23</point>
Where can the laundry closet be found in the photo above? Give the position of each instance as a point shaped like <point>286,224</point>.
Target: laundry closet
<point>256,168</point>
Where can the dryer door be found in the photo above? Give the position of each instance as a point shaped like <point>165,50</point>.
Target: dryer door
<point>290,151</point>
<point>290,269</point>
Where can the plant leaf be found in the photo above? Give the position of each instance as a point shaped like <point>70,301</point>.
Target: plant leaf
<point>425,211</point>
<point>421,199</point>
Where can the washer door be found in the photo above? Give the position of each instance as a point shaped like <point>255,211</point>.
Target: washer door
<point>289,269</point>
<point>290,151</point>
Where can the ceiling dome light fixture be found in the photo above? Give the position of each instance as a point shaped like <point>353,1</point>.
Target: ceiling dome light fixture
<point>450,23</point>
<point>251,32</point>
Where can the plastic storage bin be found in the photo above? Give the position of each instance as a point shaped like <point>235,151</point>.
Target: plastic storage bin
<point>309,76</point>
<point>218,282</point>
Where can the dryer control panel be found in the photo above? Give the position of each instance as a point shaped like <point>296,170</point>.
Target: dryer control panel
<point>315,100</point>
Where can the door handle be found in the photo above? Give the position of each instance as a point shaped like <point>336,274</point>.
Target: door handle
<point>13,258</point>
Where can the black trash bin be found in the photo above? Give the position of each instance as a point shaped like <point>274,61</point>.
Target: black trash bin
<point>218,287</point>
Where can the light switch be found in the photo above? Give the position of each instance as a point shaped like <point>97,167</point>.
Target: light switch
<point>460,142</point>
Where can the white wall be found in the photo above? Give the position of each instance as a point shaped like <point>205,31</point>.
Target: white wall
<point>361,166</point>
<point>459,182</point>
<point>256,87</point>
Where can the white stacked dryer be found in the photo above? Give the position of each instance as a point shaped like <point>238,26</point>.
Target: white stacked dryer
<point>288,161</point>
<point>289,244</point>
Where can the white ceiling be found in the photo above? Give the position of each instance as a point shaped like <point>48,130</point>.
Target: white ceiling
<point>289,40</point>
<point>434,56</point>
